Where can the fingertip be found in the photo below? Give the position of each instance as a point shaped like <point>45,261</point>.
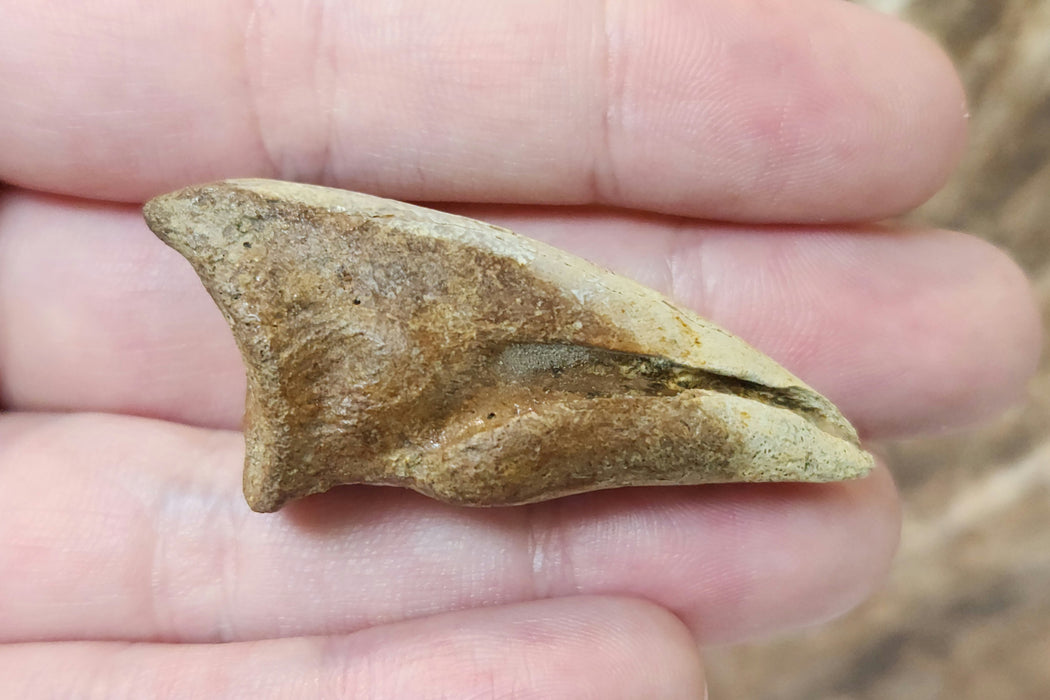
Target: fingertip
<point>1008,336</point>
<point>888,122</point>
<point>839,548</point>
<point>811,112</point>
<point>975,335</point>
<point>922,146</point>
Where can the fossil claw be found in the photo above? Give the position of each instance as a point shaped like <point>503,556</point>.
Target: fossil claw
<point>392,344</point>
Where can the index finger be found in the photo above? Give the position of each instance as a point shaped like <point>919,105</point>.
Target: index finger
<point>814,110</point>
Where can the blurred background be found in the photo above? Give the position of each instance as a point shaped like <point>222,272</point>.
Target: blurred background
<point>966,612</point>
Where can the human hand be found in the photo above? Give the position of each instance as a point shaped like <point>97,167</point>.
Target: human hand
<point>723,153</point>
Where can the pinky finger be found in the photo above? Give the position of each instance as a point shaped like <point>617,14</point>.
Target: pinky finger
<point>562,648</point>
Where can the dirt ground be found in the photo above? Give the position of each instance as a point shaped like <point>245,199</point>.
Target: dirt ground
<point>966,612</point>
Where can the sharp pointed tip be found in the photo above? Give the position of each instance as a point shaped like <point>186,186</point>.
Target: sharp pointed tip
<point>157,213</point>
<point>186,219</point>
<point>154,209</point>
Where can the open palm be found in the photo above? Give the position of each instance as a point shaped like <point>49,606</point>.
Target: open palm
<point>725,153</point>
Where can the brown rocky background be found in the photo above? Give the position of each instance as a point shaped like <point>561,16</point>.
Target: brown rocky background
<point>966,612</point>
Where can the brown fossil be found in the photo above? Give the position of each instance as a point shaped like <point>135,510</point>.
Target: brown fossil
<point>392,344</point>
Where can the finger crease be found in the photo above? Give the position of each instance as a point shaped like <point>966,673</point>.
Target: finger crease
<point>326,68</point>
<point>549,552</point>
<point>604,181</point>
<point>254,37</point>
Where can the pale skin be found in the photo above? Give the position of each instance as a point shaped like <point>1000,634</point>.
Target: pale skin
<point>725,153</point>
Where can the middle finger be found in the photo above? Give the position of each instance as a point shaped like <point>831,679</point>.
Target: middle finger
<point>96,314</point>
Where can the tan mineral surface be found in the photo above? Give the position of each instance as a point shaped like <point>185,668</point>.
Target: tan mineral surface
<point>391,344</point>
